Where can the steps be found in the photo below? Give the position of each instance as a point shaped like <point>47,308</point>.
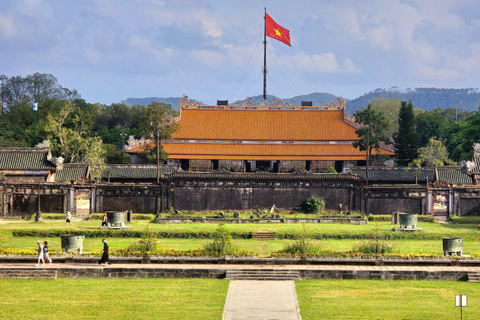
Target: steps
<point>263,235</point>
<point>474,277</point>
<point>37,273</point>
<point>262,274</point>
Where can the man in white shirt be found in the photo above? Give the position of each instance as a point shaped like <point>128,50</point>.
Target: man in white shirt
<point>68,218</point>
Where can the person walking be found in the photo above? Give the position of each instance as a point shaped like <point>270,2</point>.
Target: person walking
<point>104,220</point>
<point>68,217</point>
<point>40,254</point>
<point>46,257</point>
<point>104,258</point>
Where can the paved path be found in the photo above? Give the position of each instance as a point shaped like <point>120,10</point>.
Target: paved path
<point>261,300</point>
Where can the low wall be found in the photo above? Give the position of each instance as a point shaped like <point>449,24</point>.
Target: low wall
<point>210,191</point>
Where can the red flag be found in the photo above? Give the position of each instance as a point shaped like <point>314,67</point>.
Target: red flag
<point>276,31</point>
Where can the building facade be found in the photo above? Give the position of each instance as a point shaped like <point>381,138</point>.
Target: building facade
<point>277,137</point>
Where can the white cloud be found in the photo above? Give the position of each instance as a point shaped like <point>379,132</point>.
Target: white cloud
<point>383,36</point>
<point>209,58</point>
<point>7,27</point>
<point>139,42</point>
<point>348,19</point>
<point>349,67</point>
<point>326,62</point>
<point>209,26</point>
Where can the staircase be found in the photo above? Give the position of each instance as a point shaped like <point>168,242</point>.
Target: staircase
<point>263,235</point>
<point>262,274</point>
<point>474,277</point>
<point>37,273</point>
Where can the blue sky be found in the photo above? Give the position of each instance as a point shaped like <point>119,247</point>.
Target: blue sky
<point>111,50</point>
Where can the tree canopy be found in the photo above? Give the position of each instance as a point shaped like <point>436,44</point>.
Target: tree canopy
<point>406,140</point>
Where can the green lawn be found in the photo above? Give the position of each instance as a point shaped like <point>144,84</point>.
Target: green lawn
<point>370,299</point>
<point>113,298</point>
<point>263,248</point>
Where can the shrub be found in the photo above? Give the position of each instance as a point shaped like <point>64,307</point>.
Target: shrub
<point>314,204</point>
<point>374,247</point>
<point>303,248</point>
<point>222,244</point>
<point>136,216</point>
<point>331,170</point>
<point>147,244</point>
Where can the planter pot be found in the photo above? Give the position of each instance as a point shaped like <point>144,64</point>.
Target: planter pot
<point>408,220</point>
<point>452,245</point>
<point>72,242</point>
<point>116,218</point>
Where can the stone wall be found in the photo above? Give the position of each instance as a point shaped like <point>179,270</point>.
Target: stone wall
<point>467,201</point>
<point>223,191</point>
<point>187,191</point>
<point>388,199</point>
<point>120,197</point>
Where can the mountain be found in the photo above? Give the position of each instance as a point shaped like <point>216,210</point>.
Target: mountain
<point>317,98</point>
<point>467,99</point>
<point>172,101</point>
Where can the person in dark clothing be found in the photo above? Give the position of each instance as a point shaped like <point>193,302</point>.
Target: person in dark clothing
<point>104,258</point>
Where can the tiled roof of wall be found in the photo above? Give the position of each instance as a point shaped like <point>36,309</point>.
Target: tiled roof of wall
<point>395,174</point>
<point>453,175</point>
<point>25,159</point>
<point>132,171</point>
<point>72,172</point>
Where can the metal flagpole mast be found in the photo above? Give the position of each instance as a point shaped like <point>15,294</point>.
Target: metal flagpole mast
<point>265,56</point>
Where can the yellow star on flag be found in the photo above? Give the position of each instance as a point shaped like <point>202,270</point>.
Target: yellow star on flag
<point>278,33</point>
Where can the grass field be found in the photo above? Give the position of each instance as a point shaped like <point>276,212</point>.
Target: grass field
<point>113,298</point>
<point>263,248</point>
<point>370,299</point>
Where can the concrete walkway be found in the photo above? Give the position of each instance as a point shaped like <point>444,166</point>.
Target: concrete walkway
<point>261,300</point>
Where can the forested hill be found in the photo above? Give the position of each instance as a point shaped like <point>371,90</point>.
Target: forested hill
<point>423,98</point>
<point>172,101</point>
<point>317,98</point>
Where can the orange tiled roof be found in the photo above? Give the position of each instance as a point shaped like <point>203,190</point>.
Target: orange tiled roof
<point>250,132</point>
<point>264,125</point>
<point>263,151</point>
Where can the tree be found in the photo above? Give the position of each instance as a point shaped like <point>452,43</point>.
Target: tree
<point>433,155</point>
<point>41,86</point>
<point>371,131</point>
<point>430,124</point>
<point>159,124</point>
<point>69,132</point>
<point>406,140</point>
<point>390,109</point>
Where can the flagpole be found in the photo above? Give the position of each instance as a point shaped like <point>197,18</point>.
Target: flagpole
<point>265,56</point>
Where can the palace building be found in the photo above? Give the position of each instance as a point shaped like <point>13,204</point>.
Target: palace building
<point>276,137</point>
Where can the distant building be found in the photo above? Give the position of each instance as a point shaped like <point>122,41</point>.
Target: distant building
<point>247,138</point>
<point>28,164</point>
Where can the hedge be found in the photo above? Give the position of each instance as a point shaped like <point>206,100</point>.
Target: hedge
<point>388,217</point>
<point>136,216</point>
<point>110,233</point>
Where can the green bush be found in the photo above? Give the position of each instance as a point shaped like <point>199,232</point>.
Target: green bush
<point>374,247</point>
<point>52,216</point>
<point>331,170</point>
<point>388,217</point>
<point>136,216</point>
<point>113,233</point>
<point>314,205</point>
<point>222,244</point>
<point>304,248</point>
